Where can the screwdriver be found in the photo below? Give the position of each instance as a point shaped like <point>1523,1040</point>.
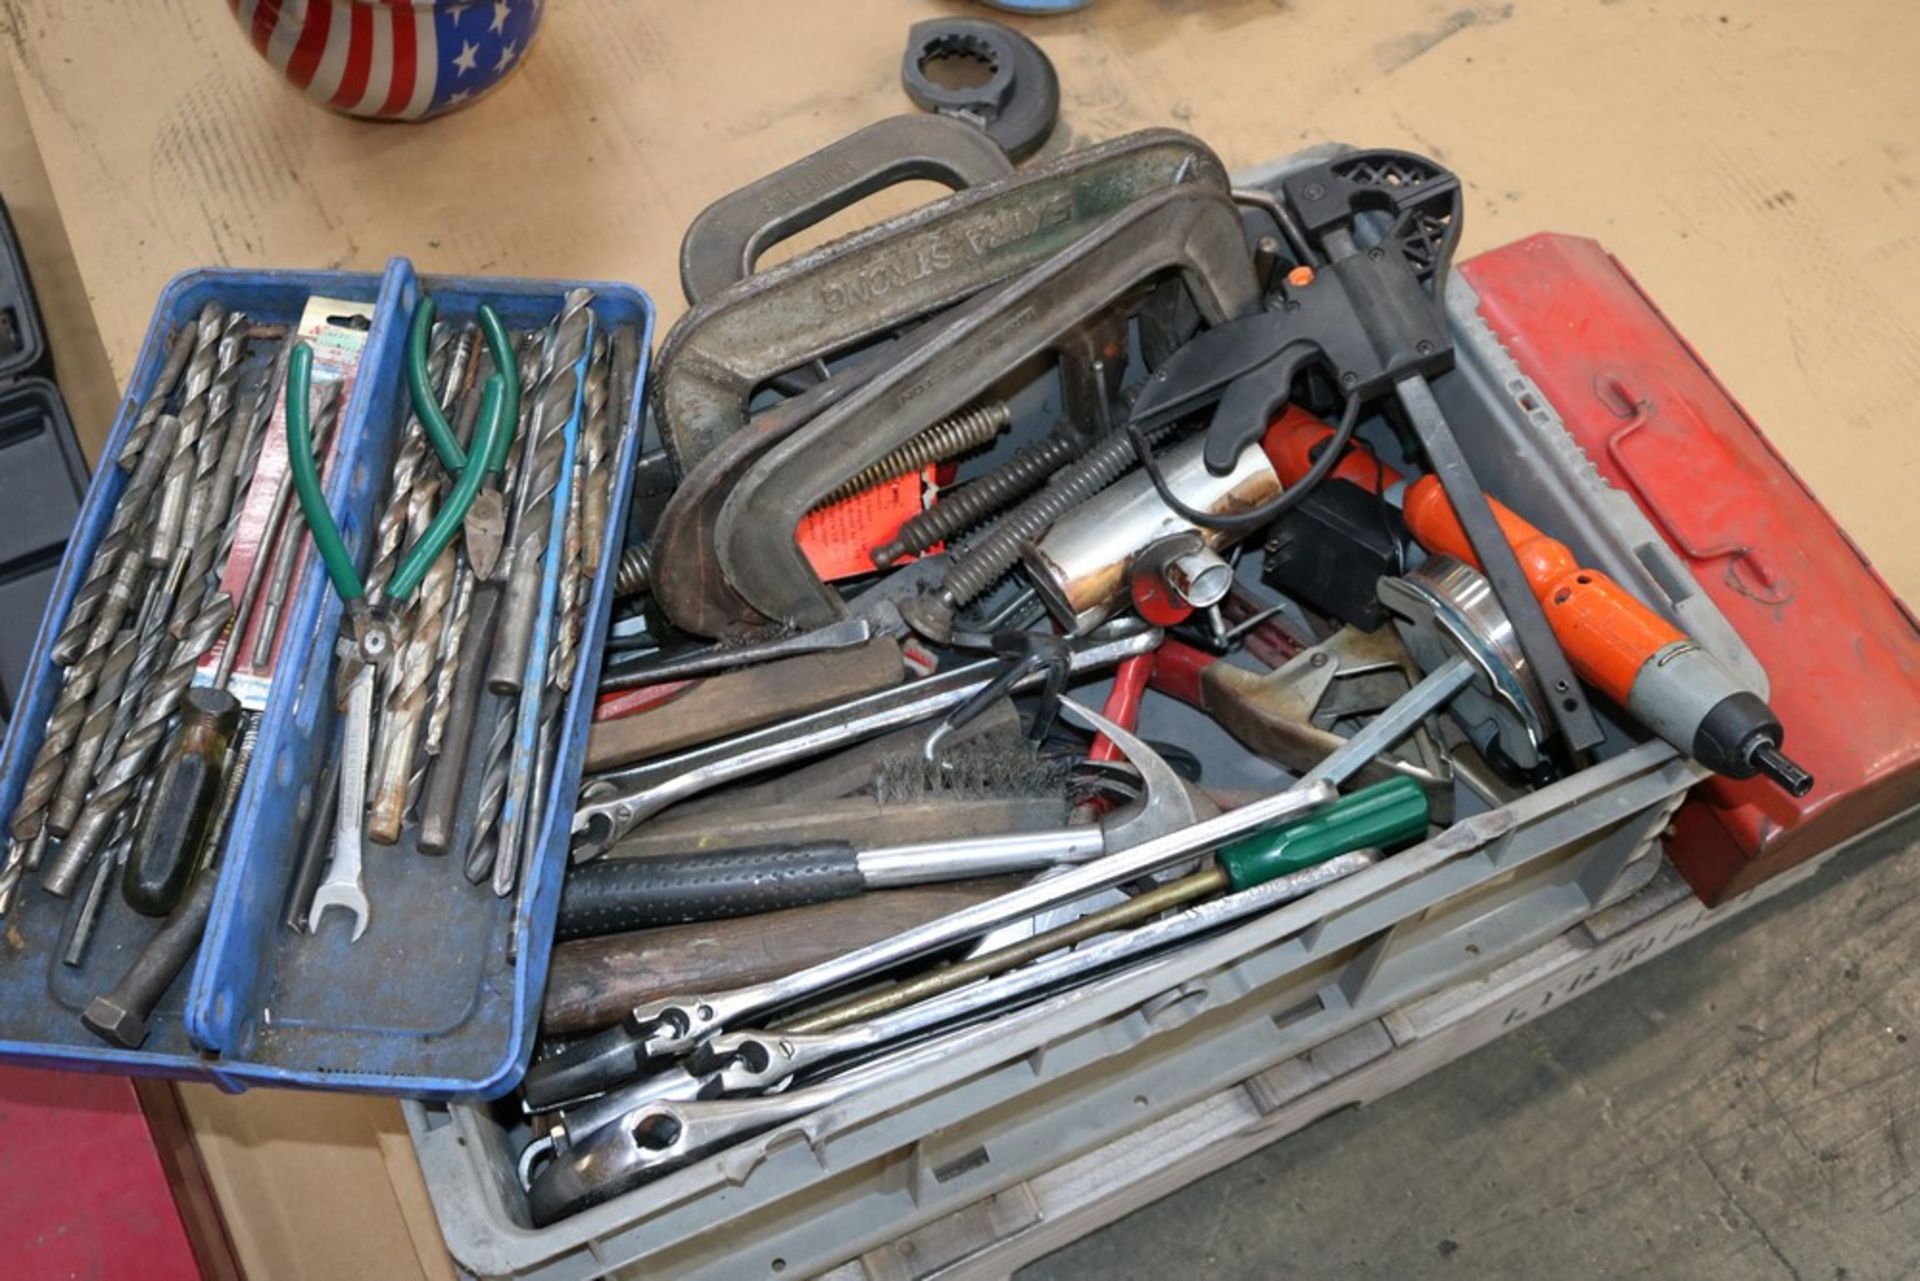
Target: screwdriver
<point>1383,816</point>
<point>1662,677</point>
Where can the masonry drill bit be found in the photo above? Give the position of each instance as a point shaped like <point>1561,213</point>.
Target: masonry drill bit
<point>179,348</point>
<point>596,435</point>
<point>78,634</point>
<point>209,351</point>
<point>557,399</point>
<point>122,777</point>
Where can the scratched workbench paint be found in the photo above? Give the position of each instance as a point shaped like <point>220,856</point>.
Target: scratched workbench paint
<point>1730,152</point>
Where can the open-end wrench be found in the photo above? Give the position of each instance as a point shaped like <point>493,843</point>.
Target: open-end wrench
<point>753,1062</point>
<point>342,888</point>
<point>667,1134</point>
<point>617,895</point>
<point>660,1029</point>
<point>611,805</point>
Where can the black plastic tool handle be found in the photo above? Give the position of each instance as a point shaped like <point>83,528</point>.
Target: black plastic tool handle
<point>614,895</point>
<point>120,1016</point>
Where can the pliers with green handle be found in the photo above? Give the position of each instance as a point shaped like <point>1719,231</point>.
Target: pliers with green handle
<point>486,517</point>
<point>370,631</point>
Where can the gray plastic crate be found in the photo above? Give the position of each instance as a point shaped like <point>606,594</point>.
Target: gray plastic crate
<point>1040,1087</point>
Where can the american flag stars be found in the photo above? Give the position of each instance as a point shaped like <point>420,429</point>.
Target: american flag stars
<point>393,60</point>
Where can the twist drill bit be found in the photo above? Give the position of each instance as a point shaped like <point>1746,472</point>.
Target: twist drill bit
<point>11,870</point>
<point>179,348</point>
<point>446,665</point>
<point>198,386</point>
<point>210,487</point>
<point>79,633</point>
<point>122,777</point>
<point>70,710</point>
<point>567,609</point>
<point>484,853</point>
<point>406,701</point>
<point>258,413</point>
<point>595,437</point>
<point>154,646</point>
<point>410,464</point>
<point>102,710</point>
<point>212,508</point>
<point>556,400</point>
<point>417,635</point>
<point>286,518</point>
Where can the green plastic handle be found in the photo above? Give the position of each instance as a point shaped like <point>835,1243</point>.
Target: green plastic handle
<point>1377,817</point>
<point>426,406</point>
<point>306,478</point>
<point>507,365</point>
<point>446,522</point>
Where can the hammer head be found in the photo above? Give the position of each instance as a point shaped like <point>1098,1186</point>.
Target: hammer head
<point>1165,804</point>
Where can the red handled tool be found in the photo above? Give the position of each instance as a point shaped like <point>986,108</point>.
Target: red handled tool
<point>1660,675</point>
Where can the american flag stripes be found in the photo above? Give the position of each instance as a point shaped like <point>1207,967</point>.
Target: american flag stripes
<point>390,59</point>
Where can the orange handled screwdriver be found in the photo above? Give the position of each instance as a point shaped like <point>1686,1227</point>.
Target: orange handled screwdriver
<point>1659,674</point>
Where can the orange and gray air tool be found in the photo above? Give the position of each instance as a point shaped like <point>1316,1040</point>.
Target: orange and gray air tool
<point>1662,677</point>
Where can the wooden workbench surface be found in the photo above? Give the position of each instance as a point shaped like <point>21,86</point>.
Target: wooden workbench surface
<point>1756,167</point>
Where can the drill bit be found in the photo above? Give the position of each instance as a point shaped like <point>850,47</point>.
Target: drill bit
<point>452,642</point>
<point>78,633</point>
<point>406,701</point>
<point>519,823</point>
<point>11,870</point>
<point>409,464</point>
<point>258,414</point>
<point>70,710</point>
<point>285,517</point>
<point>210,514</point>
<point>211,355</point>
<point>557,400</point>
<point>179,348</point>
<point>567,608</point>
<point>417,635</point>
<point>101,712</point>
<point>595,438</point>
<point>122,777</point>
<point>484,853</point>
<point>560,665</point>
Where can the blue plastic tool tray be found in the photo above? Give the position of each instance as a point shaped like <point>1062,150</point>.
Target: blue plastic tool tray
<point>426,1003</point>
<point>41,998</point>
